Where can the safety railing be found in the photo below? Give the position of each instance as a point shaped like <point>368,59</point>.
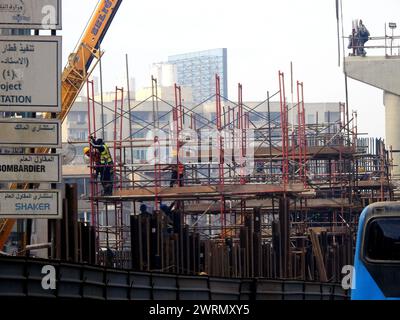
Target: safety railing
<point>22,277</point>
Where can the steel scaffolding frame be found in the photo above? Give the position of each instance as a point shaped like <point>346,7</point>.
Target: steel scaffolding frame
<point>323,158</point>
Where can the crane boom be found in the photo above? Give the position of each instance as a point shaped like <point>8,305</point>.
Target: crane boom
<point>75,75</point>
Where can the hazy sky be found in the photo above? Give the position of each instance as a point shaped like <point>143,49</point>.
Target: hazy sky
<point>262,37</point>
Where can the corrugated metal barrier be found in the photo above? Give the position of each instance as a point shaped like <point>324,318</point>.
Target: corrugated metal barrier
<point>22,277</point>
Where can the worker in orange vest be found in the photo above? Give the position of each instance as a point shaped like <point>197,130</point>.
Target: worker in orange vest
<point>178,172</point>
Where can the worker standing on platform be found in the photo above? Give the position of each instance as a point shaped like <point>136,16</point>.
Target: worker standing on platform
<point>363,35</point>
<point>106,165</point>
<point>177,174</point>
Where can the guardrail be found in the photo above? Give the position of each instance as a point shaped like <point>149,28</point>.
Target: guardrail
<point>22,278</point>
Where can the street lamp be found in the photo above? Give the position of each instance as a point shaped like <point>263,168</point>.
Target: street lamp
<point>392,25</point>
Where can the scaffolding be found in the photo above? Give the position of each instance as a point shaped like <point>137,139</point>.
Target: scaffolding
<point>257,198</point>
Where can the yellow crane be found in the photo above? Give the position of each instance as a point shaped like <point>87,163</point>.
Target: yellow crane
<point>75,75</point>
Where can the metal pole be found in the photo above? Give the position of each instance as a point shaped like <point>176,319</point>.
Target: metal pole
<point>269,133</point>
<point>102,98</point>
<point>130,109</point>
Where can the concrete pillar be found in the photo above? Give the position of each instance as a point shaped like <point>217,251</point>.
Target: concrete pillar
<point>383,73</point>
<point>392,119</point>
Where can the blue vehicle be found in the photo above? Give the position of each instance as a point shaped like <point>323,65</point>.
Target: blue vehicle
<point>376,274</point>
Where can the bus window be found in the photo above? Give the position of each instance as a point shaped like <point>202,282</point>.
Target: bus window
<point>383,240</point>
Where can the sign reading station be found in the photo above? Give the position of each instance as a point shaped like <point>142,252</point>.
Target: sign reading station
<point>30,204</point>
<point>30,73</point>
<point>30,168</point>
<point>27,133</point>
<point>30,14</point>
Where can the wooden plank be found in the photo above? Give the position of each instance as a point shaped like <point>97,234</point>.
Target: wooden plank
<point>267,204</point>
<point>194,192</point>
<point>318,256</point>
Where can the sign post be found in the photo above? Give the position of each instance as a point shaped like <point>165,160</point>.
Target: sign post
<point>30,133</point>
<point>32,14</point>
<point>30,204</point>
<point>33,168</point>
<point>30,73</point>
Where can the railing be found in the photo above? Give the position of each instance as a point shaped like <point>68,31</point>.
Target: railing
<point>22,278</point>
<point>387,45</point>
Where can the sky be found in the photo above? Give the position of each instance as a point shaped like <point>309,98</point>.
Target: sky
<point>262,38</point>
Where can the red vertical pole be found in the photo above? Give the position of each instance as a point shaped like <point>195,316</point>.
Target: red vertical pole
<point>304,134</point>
<point>93,107</point>
<point>115,131</point>
<point>284,126</point>
<point>157,173</point>
<point>180,111</point>
<point>178,121</point>
<point>175,120</point>
<point>245,137</point>
<point>120,138</point>
<point>117,141</point>
<point>241,133</point>
<point>221,152</point>
<point>293,149</point>
<point>300,130</point>
<point>91,164</point>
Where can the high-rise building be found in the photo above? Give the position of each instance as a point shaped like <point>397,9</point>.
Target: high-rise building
<point>198,69</point>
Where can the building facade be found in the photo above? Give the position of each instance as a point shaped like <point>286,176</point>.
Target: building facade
<point>198,69</point>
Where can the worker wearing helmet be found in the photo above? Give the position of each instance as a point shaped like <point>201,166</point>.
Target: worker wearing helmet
<point>105,165</point>
<point>86,151</point>
<point>96,160</point>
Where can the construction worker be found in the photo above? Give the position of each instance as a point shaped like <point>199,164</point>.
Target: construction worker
<point>177,174</point>
<point>170,217</point>
<point>106,165</point>
<point>96,160</point>
<point>144,212</point>
<point>363,36</point>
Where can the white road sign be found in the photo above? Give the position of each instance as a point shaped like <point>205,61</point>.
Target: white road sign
<point>30,168</point>
<point>30,204</point>
<point>30,73</point>
<point>30,14</point>
<point>27,133</point>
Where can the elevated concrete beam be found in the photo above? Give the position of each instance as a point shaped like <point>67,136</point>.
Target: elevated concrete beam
<point>380,72</point>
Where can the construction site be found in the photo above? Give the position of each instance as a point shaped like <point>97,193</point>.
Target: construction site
<point>291,214</point>
<point>255,191</point>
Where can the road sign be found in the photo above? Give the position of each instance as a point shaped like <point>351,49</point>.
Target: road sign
<point>32,14</point>
<point>30,204</point>
<point>33,168</point>
<point>30,73</point>
<point>27,133</point>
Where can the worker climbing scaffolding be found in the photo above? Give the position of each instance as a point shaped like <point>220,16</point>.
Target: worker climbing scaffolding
<point>105,165</point>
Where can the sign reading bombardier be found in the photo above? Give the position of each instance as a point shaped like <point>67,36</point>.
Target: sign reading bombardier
<point>30,168</point>
<point>27,133</point>
<point>30,14</point>
<point>30,204</point>
<point>30,73</point>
